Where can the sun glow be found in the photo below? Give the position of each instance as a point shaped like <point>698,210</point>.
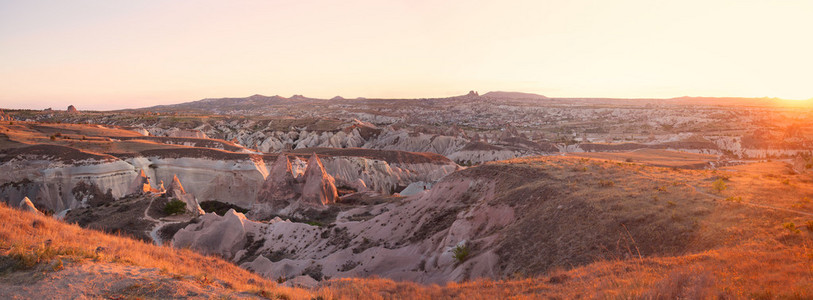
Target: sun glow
<point>102,54</point>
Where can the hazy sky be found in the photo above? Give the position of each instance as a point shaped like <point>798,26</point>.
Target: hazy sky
<point>115,54</point>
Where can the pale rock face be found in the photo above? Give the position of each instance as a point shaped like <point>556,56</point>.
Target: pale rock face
<point>232,181</point>
<point>359,185</point>
<point>50,182</point>
<point>175,187</point>
<point>141,131</point>
<point>380,176</point>
<point>214,234</point>
<point>280,186</point>
<point>176,190</point>
<point>354,248</point>
<point>319,187</point>
<point>141,184</point>
<point>283,193</point>
<point>26,205</point>
<point>415,187</point>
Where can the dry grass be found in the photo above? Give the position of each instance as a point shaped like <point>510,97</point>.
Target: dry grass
<point>654,157</point>
<point>32,240</point>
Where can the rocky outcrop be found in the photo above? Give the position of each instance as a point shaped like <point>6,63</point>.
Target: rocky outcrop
<point>49,179</point>
<point>177,191</point>
<point>214,234</point>
<point>72,110</point>
<point>411,240</point>
<point>283,192</point>
<point>27,205</point>
<point>141,184</point>
<point>280,186</point>
<point>319,188</point>
<point>5,117</point>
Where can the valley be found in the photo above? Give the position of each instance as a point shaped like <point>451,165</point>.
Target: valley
<point>477,196</point>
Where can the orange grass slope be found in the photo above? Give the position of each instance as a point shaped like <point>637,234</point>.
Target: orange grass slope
<point>33,244</point>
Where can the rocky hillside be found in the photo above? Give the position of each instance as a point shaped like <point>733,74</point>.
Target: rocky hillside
<point>61,167</point>
<point>529,216</point>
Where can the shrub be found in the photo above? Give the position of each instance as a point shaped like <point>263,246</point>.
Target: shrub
<point>791,227</point>
<point>719,185</point>
<point>809,225</point>
<point>174,207</point>
<point>606,183</point>
<point>737,199</point>
<point>461,253</point>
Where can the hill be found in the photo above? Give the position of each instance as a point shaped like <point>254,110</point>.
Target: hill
<point>513,95</point>
<point>661,233</point>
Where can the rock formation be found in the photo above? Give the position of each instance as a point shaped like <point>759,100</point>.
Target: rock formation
<point>141,184</point>
<point>5,117</point>
<point>282,191</point>
<point>319,188</point>
<point>176,190</point>
<point>280,186</point>
<point>215,234</point>
<point>72,109</point>
<point>27,205</point>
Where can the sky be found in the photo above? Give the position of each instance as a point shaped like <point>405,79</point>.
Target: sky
<point>125,54</point>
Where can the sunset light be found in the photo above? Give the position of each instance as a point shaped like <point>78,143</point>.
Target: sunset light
<point>406,149</point>
<point>106,55</point>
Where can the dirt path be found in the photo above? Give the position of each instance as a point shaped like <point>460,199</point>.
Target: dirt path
<point>154,232</point>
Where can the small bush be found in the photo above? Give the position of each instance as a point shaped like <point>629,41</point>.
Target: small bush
<point>737,199</point>
<point>461,253</point>
<point>719,185</point>
<point>174,207</point>
<point>791,227</point>
<point>606,183</point>
<point>809,225</point>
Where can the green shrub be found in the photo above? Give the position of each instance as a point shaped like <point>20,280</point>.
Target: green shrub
<point>461,253</point>
<point>174,207</point>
